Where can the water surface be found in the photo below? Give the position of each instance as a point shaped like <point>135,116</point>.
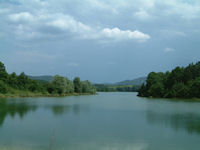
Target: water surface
<point>107,121</point>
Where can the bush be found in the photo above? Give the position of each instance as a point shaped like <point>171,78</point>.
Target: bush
<point>3,88</point>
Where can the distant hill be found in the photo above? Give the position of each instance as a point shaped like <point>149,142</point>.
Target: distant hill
<point>137,81</point>
<point>42,78</point>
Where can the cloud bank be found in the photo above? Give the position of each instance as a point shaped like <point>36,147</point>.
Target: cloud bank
<point>30,26</point>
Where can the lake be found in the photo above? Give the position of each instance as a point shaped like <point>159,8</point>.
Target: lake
<point>107,121</point>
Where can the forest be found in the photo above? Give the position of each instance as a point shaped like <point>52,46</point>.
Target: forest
<point>116,88</point>
<point>181,82</point>
<point>12,85</point>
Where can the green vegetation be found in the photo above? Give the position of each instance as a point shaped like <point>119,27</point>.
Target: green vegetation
<point>179,83</point>
<point>12,85</point>
<point>116,88</point>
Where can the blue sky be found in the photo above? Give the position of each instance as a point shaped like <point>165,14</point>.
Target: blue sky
<point>99,40</point>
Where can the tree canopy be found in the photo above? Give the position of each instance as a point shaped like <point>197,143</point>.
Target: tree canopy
<point>12,83</point>
<point>180,82</point>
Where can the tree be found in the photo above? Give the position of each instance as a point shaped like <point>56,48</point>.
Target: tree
<point>77,85</point>
<point>59,84</point>
<point>180,90</point>
<point>34,86</point>
<point>12,80</point>
<point>70,86</point>
<point>3,73</point>
<point>87,87</point>
<point>3,88</point>
<point>23,81</point>
<point>195,88</point>
<point>156,90</point>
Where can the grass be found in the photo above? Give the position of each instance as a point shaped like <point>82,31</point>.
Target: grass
<point>13,93</point>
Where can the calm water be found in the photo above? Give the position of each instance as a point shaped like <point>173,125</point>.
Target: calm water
<point>107,121</point>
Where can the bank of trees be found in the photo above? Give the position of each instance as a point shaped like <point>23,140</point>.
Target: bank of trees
<point>116,88</point>
<point>180,82</point>
<point>13,83</point>
<point>62,85</point>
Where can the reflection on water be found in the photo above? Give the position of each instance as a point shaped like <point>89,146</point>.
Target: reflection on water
<point>59,110</point>
<point>14,108</point>
<point>24,106</point>
<point>94,146</point>
<point>108,121</point>
<point>64,109</point>
<point>178,115</point>
<point>189,122</point>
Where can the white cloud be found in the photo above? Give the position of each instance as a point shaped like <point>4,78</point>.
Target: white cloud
<point>169,49</point>
<point>117,34</point>
<point>37,26</point>
<point>22,16</point>
<point>66,22</point>
<point>143,15</point>
<point>186,10</point>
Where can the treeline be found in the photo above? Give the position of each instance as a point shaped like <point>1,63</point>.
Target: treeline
<point>116,88</point>
<point>16,84</point>
<point>180,82</point>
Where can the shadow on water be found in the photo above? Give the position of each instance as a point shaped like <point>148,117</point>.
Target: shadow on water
<point>59,110</point>
<point>20,107</point>
<point>188,121</point>
<point>14,108</point>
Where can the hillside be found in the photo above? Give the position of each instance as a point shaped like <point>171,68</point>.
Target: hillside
<point>137,81</point>
<point>42,78</point>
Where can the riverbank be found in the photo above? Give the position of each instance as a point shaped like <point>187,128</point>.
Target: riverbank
<point>30,94</point>
<point>172,98</point>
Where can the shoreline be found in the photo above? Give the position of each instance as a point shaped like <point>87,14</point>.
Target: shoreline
<point>29,95</point>
<point>190,99</point>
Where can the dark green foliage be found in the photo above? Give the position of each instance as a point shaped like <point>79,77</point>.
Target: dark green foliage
<point>3,88</point>
<point>3,73</point>
<point>116,88</point>
<point>87,87</point>
<point>23,81</point>
<point>195,87</point>
<point>59,85</point>
<point>13,109</point>
<point>13,80</point>
<point>180,82</point>
<point>77,85</point>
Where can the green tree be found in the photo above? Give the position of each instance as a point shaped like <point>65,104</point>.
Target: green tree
<point>70,86</point>
<point>23,81</point>
<point>195,88</point>
<point>3,73</point>
<point>13,81</point>
<point>34,86</point>
<point>3,88</point>
<point>157,89</point>
<point>59,84</point>
<point>180,82</point>
<point>77,85</point>
<point>87,87</point>
<point>180,90</point>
